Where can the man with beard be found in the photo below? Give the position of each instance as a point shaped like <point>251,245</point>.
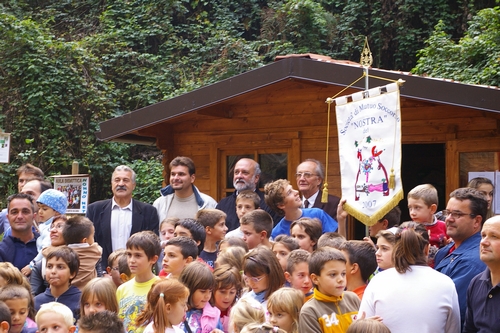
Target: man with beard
<point>181,199</point>
<point>246,177</point>
<point>120,216</point>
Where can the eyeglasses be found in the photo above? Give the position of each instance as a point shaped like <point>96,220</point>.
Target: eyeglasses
<point>115,268</point>
<point>455,214</point>
<point>253,278</point>
<point>58,226</point>
<point>306,175</point>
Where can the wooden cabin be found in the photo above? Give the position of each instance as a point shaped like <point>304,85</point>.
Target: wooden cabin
<point>277,115</point>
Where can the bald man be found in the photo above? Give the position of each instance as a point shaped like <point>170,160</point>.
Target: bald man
<point>246,176</point>
<point>483,294</point>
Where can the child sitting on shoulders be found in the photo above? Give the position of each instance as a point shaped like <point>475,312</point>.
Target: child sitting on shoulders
<point>331,309</point>
<point>51,203</point>
<point>422,204</point>
<point>78,234</point>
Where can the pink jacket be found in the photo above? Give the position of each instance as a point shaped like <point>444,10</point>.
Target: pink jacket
<point>210,318</point>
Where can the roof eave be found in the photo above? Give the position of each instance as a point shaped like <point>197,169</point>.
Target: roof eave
<point>416,87</point>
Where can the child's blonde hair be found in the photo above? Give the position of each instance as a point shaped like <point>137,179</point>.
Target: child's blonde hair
<point>232,256</point>
<point>426,192</point>
<point>244,312</point>
<point>12,275</point>
<point>288,300</point>
<point>261,328</point>
<point>57,308</point>
<point>367,326</point>
<point>162,292</point>
<point>102,289</point>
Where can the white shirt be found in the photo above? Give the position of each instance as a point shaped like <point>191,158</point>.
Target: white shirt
<point>121,225</point>
<point>311,199</point>
<point>419,301</point>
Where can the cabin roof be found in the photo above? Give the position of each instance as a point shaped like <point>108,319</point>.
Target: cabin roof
<point>304,68</point>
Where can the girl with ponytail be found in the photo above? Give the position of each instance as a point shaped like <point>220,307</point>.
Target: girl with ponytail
<point>412,297</point>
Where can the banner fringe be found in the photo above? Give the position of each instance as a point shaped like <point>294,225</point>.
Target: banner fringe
<point>371,220</point>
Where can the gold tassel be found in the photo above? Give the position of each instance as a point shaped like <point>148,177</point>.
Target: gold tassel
<point>324,196</point>
<point>392,180</point>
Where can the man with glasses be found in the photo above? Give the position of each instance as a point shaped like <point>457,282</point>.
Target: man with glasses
<point>465,212</point>
<point>310,176</point>
<point>246,176</point>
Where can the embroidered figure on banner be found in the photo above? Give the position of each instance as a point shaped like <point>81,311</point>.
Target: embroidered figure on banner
<point>371,180</point>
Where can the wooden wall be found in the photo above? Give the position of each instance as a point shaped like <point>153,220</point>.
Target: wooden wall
<point>293,114</point>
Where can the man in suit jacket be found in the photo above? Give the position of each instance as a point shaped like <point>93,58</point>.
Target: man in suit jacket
<point>117,218</point>
<point>310,176</point>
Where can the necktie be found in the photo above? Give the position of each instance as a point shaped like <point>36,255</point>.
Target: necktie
<point>306,203</point>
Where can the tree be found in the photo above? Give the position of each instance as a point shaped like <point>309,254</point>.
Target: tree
<point>475,58</point>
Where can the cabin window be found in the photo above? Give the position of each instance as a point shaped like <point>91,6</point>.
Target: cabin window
<point>273,165</point>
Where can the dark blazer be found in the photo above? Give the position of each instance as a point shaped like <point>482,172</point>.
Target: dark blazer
<point>330,207</point>
<point>144,217</point>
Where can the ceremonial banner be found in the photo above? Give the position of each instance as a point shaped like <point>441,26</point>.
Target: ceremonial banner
<point>369,130</point>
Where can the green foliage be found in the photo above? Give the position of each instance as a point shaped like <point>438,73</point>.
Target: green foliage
<point>474,59</point>
<point>69,64</point>
<point>149,179</point>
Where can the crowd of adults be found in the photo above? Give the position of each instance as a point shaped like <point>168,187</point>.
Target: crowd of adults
<point>471,259</point>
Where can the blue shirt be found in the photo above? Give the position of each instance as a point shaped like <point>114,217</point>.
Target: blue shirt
<point>17,252</point>
<point>462,265</point>
<point>483,305</point>
<point>328,223</point>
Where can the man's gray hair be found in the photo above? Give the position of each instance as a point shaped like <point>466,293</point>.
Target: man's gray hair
<point>319,168</point>
<point>128,169</point>
<point>257,169</point>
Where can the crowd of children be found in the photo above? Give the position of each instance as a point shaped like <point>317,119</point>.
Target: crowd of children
<point>196,278</point>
